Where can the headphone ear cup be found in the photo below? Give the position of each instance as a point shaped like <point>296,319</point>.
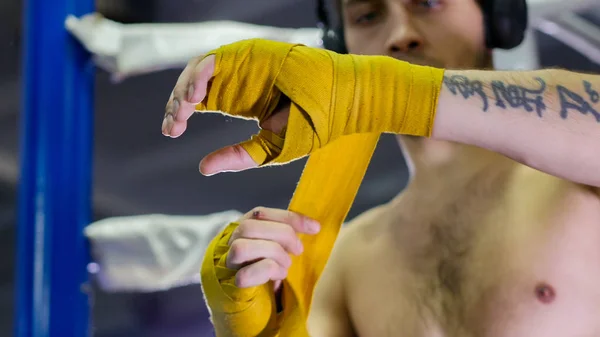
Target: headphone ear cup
<point>341,40</point>
<point>505,23</point>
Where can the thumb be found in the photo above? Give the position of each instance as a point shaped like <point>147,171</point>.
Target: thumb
<point>256,151</point>
<point>228,159</point>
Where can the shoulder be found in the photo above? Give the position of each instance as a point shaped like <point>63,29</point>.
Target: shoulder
<point>359,236</point>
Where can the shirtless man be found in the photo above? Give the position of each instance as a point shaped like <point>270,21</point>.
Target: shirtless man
<point>477,244</point>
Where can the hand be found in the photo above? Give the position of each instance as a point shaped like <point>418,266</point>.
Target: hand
<point>240,80</point>
<point>261,244</point>
<point>330,96</point>
<point>189,91</point>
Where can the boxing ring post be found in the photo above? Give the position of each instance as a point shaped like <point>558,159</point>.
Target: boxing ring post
<point>55,181</point>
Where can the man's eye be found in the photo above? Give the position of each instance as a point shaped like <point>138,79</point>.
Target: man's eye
<point>429,4</point>
<point>366,18</point>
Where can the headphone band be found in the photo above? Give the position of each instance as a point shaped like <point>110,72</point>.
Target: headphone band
<point>322,15</point>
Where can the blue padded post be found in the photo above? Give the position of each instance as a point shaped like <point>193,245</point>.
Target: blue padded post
<point>56,169</point>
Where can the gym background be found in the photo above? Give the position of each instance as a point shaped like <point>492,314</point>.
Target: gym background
<point>137,171</point>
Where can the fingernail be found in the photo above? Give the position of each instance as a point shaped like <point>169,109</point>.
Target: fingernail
<point>203,170</point>
<point>190,93</point>
<point>175,108</point>
<point>313,227</point>
<point>164,127</point>
<point>169,123</point>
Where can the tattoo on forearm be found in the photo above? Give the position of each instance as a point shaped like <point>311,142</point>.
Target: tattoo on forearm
<point>520,97</point>
<point>590,91</point>
<point>512,95</point>
<point>570,100</point>
<point>529,99</point>
<point>462,85</point>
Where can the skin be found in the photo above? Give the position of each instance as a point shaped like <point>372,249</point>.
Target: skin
<point>490,238</point>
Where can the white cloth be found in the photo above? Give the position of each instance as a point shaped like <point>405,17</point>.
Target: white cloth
<point>126,50</point>
<point>154,252</point>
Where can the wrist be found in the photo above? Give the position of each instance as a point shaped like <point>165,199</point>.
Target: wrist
<point>424,87</point>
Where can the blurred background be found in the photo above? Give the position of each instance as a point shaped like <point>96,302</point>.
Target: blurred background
<point>138,171</point>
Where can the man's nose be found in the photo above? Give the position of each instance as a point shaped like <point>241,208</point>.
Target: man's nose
<point>403,38</point>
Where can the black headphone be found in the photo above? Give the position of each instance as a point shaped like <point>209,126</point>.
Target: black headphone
<point>505,24</point>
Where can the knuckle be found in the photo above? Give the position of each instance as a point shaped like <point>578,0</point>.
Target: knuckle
<point>180,90</point>
<point>169,105</point>
<point>193,61</point>
<point>235,235</point>
<point>283,273</point>
<point>245,229</point>
<point>289,238</point>
<point>257,212</point>
<point>286,261</point>
<point>237,251</point>
<point>272,266</point>
<point>238,152</point>
<point>277,272</point>
<point>294,219</point>
<point>197,73</point>
<point>242,279</point>
<point>290,234</point>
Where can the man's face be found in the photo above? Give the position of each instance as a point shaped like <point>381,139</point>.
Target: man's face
<point>440,33</point>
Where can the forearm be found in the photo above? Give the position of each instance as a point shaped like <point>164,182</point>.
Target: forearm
<point>546,119</point>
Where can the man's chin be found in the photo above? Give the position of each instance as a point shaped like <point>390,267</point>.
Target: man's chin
<point>422,62</point>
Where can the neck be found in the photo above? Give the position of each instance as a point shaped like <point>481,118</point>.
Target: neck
<point>439,169</point>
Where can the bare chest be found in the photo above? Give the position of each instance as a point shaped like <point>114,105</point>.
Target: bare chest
<point>528,266</point>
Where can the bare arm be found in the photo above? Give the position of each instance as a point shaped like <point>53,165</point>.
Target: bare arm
<point>546,119</point>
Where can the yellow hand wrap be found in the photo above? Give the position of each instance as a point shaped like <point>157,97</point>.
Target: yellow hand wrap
<point>332,95</point>
<point>234,311</point>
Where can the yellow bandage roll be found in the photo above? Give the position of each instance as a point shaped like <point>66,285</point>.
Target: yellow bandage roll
<point>325,192</point>
<point>235,312</point>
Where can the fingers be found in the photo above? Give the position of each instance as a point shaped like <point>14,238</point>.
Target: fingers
<point>277,225</point>
<point>228,159</point>
<point>174,102</point>
<point>188,94</point>
<point>280,233</point>
<point>261,245</point>
<point>259,273</point>
<point>196,91</point>
<point>299,222</point>
<point>189,90</point>
<point>246,251</point>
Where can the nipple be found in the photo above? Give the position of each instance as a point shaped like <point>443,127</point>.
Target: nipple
<point>545,293</point>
